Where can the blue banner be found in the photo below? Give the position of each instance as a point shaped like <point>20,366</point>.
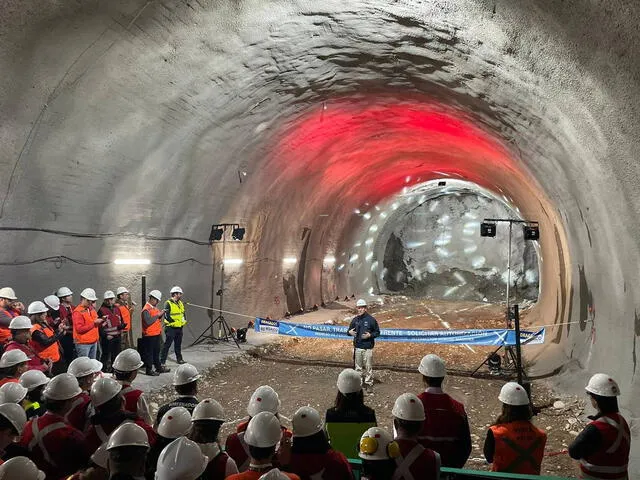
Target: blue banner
<point>488,337</point>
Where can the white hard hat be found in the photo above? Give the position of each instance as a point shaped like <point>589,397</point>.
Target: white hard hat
<point>306,422</point>
<point>603,385</point>
<point>408,407</point>
<point>20,323</point>
<point>157,294</point>
<point>103,390</point>
<point>89,294</point>
<point>377,444</point>
<point>62,387</point>
<point>109,294</point>
<point>128,360</point>
<point>13,357</point>
<point>175,423</point>
<point>37,307</point>
<point>264,399</point>
<point>121,290</point>
<point>83,366</point>
<point>32,379</point>
<point>176,289</point>
<point>361,303</point>
<point>12,392</point>
<point>128,434</point>
<point>182,459</point>
<point>274,474</point>
<point>432,366</point>
<point>20,468</point>
<point>101,457</point>
<point>8,293</point>
<point>264,430</point>
<point>63,292</point>
<point>185,373</point>
<point>349,381</point>
<point>52,302</point>
<point>208,409</point>
<point>15,414</point>
<point>513,393</point>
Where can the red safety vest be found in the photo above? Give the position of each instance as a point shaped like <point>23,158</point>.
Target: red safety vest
<point>416,462</point>
<point>611,460</point>
<point>217,466</point>
<point>156,327</point>
<point>519,447</point>
<point>131,396</point>
<point>80,412</point>
<point>332,465</point>
<point>99,433</point>
<point>113,320</point>
<point>35,362</point>
<point>238,449</point>
<point>52,352</point>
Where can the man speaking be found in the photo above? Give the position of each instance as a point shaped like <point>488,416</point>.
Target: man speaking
<point>364,329</point>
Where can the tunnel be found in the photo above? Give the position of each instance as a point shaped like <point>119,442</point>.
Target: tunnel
<point>129,128</point>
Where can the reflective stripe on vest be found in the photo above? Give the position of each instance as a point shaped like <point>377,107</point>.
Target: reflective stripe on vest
<point>519,447</point>
<point>176,313</point>
<point>611,471</point>
<point>155,328</point>
<point>403,469</point>
<point>52,352</point>
<point>102,435</point>
<point>38,438</point>
<point>245,464</point>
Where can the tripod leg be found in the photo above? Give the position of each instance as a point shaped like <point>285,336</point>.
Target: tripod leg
<point>228,331</point>
<point>486,359</point>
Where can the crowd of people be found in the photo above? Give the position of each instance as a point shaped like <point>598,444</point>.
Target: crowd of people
<point>86,419</point>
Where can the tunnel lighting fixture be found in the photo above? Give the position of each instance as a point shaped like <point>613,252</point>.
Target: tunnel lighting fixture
<point>132,261</point>
<point>216,233</point>
<point>487,229</point>
<point>238,232</point>
<point>329,259</point>
<point>289,260</point>
<point>233,261</point>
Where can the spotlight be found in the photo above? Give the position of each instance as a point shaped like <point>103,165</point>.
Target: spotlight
<point>487,229</point>
<point>216,233</point>
<point>237,233</point>
<point>531,232</point>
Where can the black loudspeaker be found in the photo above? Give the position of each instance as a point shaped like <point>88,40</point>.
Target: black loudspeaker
<point>531,232</point>
<point>487,229</point>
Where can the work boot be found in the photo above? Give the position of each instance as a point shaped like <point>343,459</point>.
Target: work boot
<point>151,373</point>
<point>163,369</point>
<point>181,362</point>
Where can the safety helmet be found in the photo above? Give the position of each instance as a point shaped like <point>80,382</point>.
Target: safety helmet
<point>157,294</point>
<point>264,430</point>
<point>15,414</point>
<point>408,407</point>
<point>349,381</point>
<point>185,373</point>
<point>103,390</point>
<point>8,293</point>
<point>101,457</point>
<point>603,385</point>
<point>89,294</point>
<point>12,392</point>
<point>20,322</point>
<point>274,474</point>
<point>22,468</point>
<point>127,361</point>
<point>121,290</point>
<point>361,303</point>
<point>176,289</point>
<point>377,444</point>
<point>83,366</point>
<point>306,422</point>
<point>208,409</point>
<point>514,394</point>
<point>32,379</point>
<point>62,387</point>
<point>109,294</point>
<point>182,459</point>
<point>63,292</point>
<point>52,302</point>
<point>13,357</point>
<point>37,307</point>
<point>128,434</point>
<point>432,366</point>
<point>175,423</point>
<point>264,399</point>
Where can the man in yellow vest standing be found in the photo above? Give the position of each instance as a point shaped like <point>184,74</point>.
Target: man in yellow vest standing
<point>174,320</point>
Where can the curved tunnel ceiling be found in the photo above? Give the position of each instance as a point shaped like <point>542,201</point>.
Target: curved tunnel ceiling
<point>162,118</point>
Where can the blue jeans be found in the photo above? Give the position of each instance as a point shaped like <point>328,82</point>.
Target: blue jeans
<point>87,349</point>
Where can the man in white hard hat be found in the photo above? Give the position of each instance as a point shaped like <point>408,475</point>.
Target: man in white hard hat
<point>12,422</point>
<point>34,381</point>
<point>110,330</point>
<point>152,334</point>
<point>182,459</point>
<point>12,365</point>
<point>185,383</point>
<point>364,329</point>
<point>56,447</point>
<point>22,468</point>
<point>20,328</point>
<point>174,322</point>
<point>603,446</point>
<point>66,312</point>
<point>7,297</point>
<point>85,325</point>
<point>44,338</point>
<point>446,427</point>
<point>126,306</point>
<point>379,453</point>
<point>85,370</point>
<point>125,370</point>
<point>128,446</point>
<point>175,423</point>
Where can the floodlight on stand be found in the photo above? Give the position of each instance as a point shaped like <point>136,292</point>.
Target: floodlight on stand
<point>531,232</point>
<point>487,229</point>
<point>237,233</point>
<point>217,231</point>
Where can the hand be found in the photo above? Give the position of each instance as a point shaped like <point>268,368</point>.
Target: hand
<point>98,321</point>
<point>366,335</point>
<point>352,332</point>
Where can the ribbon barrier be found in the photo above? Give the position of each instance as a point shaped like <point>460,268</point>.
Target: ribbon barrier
<point>488,337</point>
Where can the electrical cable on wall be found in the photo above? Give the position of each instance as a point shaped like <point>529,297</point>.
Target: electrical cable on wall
<point>60,259</point>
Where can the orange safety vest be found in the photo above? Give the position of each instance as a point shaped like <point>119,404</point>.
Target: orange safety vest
<point>156,327</point>
<point>84,316</point>
<point>5,333</point>
<point>125,313</point>
<point>52,352</point>
<point>519,447</point>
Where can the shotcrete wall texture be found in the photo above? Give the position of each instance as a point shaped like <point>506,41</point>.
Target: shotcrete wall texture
<point>162,118</point>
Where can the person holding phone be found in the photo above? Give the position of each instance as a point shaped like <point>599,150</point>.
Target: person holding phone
<point>85,325</point>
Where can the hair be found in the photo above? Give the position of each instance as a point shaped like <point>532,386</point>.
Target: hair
<point>379,469</point>
<point>606,404</point>
<point>35,395</point>
<point>411,427</point>
<point>122,376</point>
<point>432,381</point>
<point>316,443</point>
<point>128,454</point>
<point>262,453</point>
<point>111,406</point>
<point>55,406</point>
<point>349,401</point>
<point>5,424</point>
<point>10,372</point>
<point>86,381</point>
<point>205,431</point>
<point>514,413</point>
<point>190,388</point>
<point>16,331</point>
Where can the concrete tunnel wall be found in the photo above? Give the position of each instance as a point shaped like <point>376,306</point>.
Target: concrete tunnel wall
<point>140,116</point>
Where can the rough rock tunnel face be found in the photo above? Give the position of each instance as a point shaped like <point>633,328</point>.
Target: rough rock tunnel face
<point>159,119</point>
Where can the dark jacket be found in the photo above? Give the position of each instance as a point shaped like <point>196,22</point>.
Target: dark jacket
<point>364,323</point>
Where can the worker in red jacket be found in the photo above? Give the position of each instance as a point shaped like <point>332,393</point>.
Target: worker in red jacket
<point>125,370</point>
<point>110,330</point>
<point>66,311</point>
<point>12,422</point>
<point>85,370</point>
<point>7,297</point>
<point>12,365</point>
<point>20,328</point>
